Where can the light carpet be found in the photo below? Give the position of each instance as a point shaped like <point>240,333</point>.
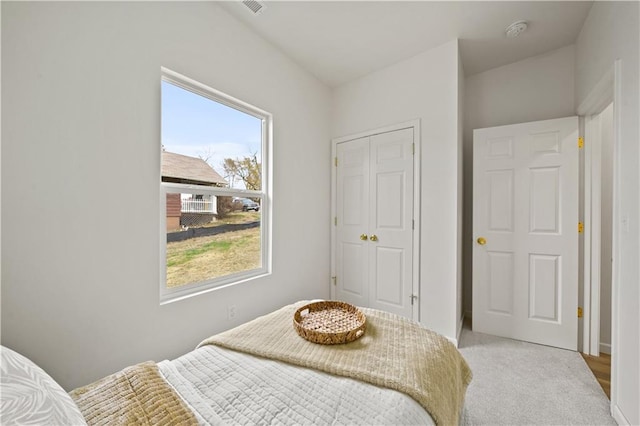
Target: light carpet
<point>518,383</point>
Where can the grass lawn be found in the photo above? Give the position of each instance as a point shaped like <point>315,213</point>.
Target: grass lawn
<point>199,259</point>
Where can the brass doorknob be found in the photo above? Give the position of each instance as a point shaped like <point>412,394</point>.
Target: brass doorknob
<point>374,237</point>
<point>482,241</point>
<point>364,237</point>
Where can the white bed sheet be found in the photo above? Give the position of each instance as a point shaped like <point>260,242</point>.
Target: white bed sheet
<point>222,386</point>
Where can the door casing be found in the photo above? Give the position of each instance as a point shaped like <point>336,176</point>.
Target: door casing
<point>607,90</point>
<point>415,124</point>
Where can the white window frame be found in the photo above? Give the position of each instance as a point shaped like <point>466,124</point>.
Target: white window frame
<point>168,295</point>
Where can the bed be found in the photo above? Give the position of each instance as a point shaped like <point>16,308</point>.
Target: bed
<point>262,372</point>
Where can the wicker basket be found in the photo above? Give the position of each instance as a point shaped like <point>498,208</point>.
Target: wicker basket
<point>330,322</point>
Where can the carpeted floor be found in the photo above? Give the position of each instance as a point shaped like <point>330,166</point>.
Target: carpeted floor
<point>518,383</point>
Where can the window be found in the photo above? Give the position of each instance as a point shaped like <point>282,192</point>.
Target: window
<point>214,189</point>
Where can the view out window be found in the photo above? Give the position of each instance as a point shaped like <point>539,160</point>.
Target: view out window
<point>213,183</point>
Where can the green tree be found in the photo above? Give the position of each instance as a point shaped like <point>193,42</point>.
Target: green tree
<point>247,170</point>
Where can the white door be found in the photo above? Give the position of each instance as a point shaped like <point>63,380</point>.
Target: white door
<point>352,217</point>
<point>374,206</point>
<point>525,227</point>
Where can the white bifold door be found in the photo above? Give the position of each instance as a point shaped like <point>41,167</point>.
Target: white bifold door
<point>525,230</point>
<point>374,221</point>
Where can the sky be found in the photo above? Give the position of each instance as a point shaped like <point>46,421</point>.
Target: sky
<point>199,127</point>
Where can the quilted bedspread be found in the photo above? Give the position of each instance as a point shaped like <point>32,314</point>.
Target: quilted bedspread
<point>136,395</point>
<point>395,352</point>
<point>226,387</point>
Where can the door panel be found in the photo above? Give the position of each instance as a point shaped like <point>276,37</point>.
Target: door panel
<point>390,200</point>
<point>525,204</point>
<point>500,200</point>
<point>501,147</point>
<point>353,199</point>
<point>544,207</point>
<point>500,278</point>
<point>354,281</point>
<point>389,273</point>
<point>544,287</point>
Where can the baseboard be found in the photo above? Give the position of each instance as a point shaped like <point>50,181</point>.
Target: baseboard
<point>618,416</point>
<point>605,348</point>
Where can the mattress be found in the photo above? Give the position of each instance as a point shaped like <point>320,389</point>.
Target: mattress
<point>222,386</point>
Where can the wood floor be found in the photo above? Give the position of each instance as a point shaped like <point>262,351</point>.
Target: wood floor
<point>601,368</point>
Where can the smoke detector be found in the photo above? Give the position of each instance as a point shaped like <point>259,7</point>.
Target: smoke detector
<point>256,7</point>
<point>515,29</point>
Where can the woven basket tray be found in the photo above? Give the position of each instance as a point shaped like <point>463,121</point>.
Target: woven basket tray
<point>329,323</point>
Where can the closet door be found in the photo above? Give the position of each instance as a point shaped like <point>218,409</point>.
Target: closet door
<point>374,220</point>
<point>391,222</point>
<point>352,234</point>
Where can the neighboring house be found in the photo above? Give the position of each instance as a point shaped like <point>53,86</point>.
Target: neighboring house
<point>185,209</point>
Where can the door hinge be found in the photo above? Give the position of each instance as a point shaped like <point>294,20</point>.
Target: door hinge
<point>413,148</point>
<point>579,312</point>
<point>413,224</point>
<point>335,221</point>
<point>334,279</point>
<point>335,161</point>
<point>580,142</point>
<point>580,227</point>
<point>413,298</point>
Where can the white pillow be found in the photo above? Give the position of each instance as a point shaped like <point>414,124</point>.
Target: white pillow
<point>31,396</point>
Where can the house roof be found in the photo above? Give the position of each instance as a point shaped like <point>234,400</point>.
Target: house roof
<point>185,169</point>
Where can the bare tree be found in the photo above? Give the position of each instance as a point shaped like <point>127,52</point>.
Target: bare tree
<point>206,155</point>
<point>247,169</point>
<point>224,206</point>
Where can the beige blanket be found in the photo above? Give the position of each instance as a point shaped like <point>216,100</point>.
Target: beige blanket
<point>137,395</point>
<point>394,352</point>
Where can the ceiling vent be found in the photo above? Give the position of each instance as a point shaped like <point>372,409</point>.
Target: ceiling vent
<point>256,7</point>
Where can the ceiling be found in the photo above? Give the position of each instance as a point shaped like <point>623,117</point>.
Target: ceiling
<point>339,41</point>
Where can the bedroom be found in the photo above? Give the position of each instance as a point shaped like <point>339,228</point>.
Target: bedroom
<point>80,273</point>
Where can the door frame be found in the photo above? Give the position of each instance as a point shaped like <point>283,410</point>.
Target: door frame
<point>607,90</point>
<point>592,235</point>
<point>415,124</point>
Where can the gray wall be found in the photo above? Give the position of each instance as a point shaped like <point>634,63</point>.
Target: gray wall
<point>81,172</point>
<point>536,88</point>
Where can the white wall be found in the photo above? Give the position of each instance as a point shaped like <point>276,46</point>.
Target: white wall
<point>81,171</point>
<point>537,88</point>
<point>611,31</point>
<point>423,87</point>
